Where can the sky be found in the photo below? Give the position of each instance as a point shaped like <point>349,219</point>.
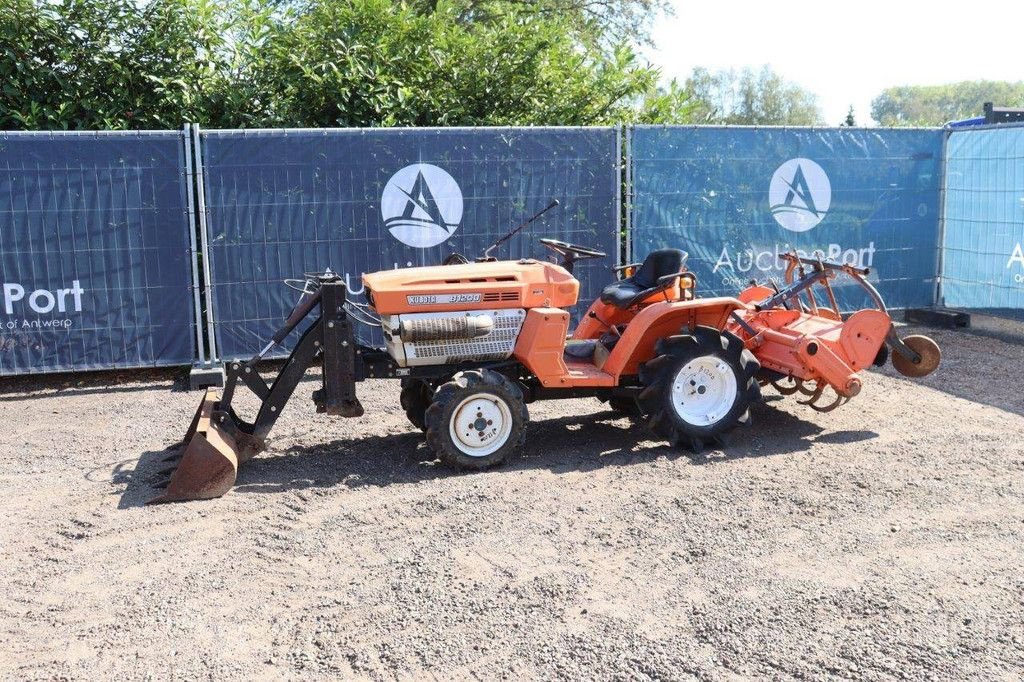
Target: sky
<point>845,52</point>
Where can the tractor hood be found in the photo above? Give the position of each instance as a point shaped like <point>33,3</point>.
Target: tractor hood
<point>472,286</point>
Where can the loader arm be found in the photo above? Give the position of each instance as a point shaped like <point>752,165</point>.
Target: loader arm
<point>218,440</point>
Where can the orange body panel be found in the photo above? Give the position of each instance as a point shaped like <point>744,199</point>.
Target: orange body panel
<point>592,327</point>
<point>541,342</point>
<point>472,286</point>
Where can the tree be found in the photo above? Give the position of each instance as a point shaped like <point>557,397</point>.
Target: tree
<point>94,64</point>
<point>749,98</point>
<point>849,121</point>
<point>373,62</point>
<point>932,105</point>
<point>606,22</point>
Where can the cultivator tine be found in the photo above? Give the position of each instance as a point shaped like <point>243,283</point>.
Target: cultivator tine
<point>787,390</point>
<point>815,395</point>
<point>815,391</point>
<point>840,400</point>
<point>815,398</point>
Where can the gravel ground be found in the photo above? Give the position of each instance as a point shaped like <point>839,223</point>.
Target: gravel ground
<point>883,540</point>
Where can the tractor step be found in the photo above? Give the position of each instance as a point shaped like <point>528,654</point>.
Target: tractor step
<point>945,318</point>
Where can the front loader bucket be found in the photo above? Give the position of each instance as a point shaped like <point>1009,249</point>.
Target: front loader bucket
<point>207,460</point>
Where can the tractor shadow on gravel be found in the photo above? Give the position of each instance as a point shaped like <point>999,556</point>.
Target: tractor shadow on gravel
<point>575,443</point>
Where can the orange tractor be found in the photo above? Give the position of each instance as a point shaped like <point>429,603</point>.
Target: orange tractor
<point>474,343</point>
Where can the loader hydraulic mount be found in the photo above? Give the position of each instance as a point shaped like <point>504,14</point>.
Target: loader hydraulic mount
<point>473,343</point>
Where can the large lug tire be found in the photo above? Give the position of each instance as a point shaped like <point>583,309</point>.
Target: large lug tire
<point>415,399</point>
<point>698,386</point>
<point>477,420</point>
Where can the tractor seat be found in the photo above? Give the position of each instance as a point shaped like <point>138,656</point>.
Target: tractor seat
<point>626,292</point>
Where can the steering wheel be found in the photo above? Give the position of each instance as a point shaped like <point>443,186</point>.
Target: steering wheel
<point>572,252</point>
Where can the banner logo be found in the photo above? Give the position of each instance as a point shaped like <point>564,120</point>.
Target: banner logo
<point>1017,256</point>
<point>421,205</point>
<point>799,194</point>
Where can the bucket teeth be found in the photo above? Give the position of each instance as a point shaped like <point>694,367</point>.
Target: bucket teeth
<point>160,485</point>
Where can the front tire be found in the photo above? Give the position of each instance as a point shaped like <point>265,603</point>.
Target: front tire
<point>415,399</point>
<point>698,387</point>
<point>477,420</point>
<point>624,406</point>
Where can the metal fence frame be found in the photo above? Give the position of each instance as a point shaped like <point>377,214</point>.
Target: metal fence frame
<point>215,355</point>
<point>183,138</point>
<point>949,131</point>
<point>207,352</point>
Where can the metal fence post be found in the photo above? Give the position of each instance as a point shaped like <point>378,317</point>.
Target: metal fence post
<point>194,254</point>
<point>940,258</point>
<point>629,195</point>
<point>204,238</point>
<point>619,225</point>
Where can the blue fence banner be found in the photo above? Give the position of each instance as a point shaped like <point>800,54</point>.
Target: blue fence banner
<point>283,202</point>
<point>735,198</point>
<point>983,249</point>
<point>94,252</point>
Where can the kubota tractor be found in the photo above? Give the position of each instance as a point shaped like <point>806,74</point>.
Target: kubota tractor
<point>474,343</point>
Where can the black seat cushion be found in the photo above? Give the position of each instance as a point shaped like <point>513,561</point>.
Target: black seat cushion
<point>619,294</point>
<point>657,264</point>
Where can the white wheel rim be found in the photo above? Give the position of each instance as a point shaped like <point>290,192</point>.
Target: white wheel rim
<point>480,424</point>
<point>704,390</point>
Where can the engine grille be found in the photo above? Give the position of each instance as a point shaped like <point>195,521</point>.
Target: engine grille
<point>506,296</point>
<point>497,345</point>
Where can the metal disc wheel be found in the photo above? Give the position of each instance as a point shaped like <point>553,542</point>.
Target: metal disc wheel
<point>699,385</point>
<point>480,424</point>
<point>476,420</point>
<point>930,354</point>
<point>704,390</point>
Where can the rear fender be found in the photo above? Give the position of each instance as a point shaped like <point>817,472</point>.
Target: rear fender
<point>661,320</point>
<point>593,327</point>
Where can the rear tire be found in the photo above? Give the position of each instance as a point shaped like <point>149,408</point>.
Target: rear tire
<point>698,387</point>
<point>477,420</point>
